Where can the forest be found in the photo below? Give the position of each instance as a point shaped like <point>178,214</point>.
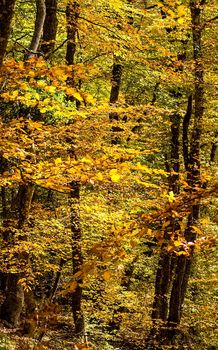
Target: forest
<point>108,174</point>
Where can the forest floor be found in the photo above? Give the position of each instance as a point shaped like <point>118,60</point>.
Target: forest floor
<point>60,336</point>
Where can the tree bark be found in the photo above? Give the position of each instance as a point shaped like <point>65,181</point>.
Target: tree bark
<point>38,28</point>
<point>77,258</point>
<point>6,14</point>
<point>114,95</point>
<point>193,172</point>
<point>72,15</point>
<point>14,301</point>
<point>49,28</point>
<point>181,266</point>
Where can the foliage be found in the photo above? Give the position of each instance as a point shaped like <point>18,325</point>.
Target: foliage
<point>59,132</point>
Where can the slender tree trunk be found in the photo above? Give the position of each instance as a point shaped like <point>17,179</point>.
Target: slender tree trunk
<point>72,15</point>
<point>191,155</point>
<point>38,28</point>
<point>77,258</point>
<point>192,165</point>
<point>167,261</point>
<point>3,275</point>
<point>49,28</point>
<point>6,14</point>
<point>114,95</point>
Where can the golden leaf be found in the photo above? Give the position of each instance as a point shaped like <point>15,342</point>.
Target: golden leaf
<point>99,176</point>
<point>106,275</point>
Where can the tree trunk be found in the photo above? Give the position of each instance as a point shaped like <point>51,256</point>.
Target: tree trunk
<point>114,95</point>
<point>38,28</point>
<point>13,303</point>
<point>6,14</point>
<point>191,155</point>
<point>192,166</point>
<point>50,28</point>
<point>167,261</point>
<point>72,15</point>
<point>77,258</point>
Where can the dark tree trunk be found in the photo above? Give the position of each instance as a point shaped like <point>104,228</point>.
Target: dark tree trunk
<point>115,82</point>
<point>213,149</point>
<point>3,275</point>
<point>13,303</point>
<point>6,14</point>
<point>185,129</point>
<point>162,285</point>
<point>167,261</point>
<point>77,258</point>
<point>49,28</point>
<point>72,15</point>
<point>114,95</point>
<point>191,155</point>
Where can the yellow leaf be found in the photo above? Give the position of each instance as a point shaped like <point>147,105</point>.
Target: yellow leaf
<point>181,10</point>
<point>197,230</point>
<point>181,20</point>
<point>50,89</point>
<point>71,287</point>
<point>78,96</point>
<point>149,232</point>
<point>113,171</point>
<point>106,275</point>
<point>99,176</point>
<point>41,83</point>
<point>58,161</point>
<point>177,243</point>
<point>86,160</point>
<point>115,177</point>
<point>171,196</point>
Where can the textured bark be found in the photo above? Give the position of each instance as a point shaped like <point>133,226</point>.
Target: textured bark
<point>38,28</point>
<point>185,138</point>
<point>198,92</point>
<point>115,87</point>
<point>3,275</point>
<point>193,175</point>
<point>167,262</point>
<point>13,304</point>
<point>14,301</point>
<point>213,149</point>
<point>49,28</point>
<point>25,195</point>
<point>72,15</point>
<point>6,14</point>
<point>115,81</point>
<point>174,158</point>
<point>171,314</point>
<point>77,258</point>
<point>114,95</point>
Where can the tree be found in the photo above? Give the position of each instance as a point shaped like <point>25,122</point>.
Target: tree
<point>107,118</point>
<point>6,11</point>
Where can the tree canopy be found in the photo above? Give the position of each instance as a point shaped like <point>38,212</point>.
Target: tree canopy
<point>108,150</point>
